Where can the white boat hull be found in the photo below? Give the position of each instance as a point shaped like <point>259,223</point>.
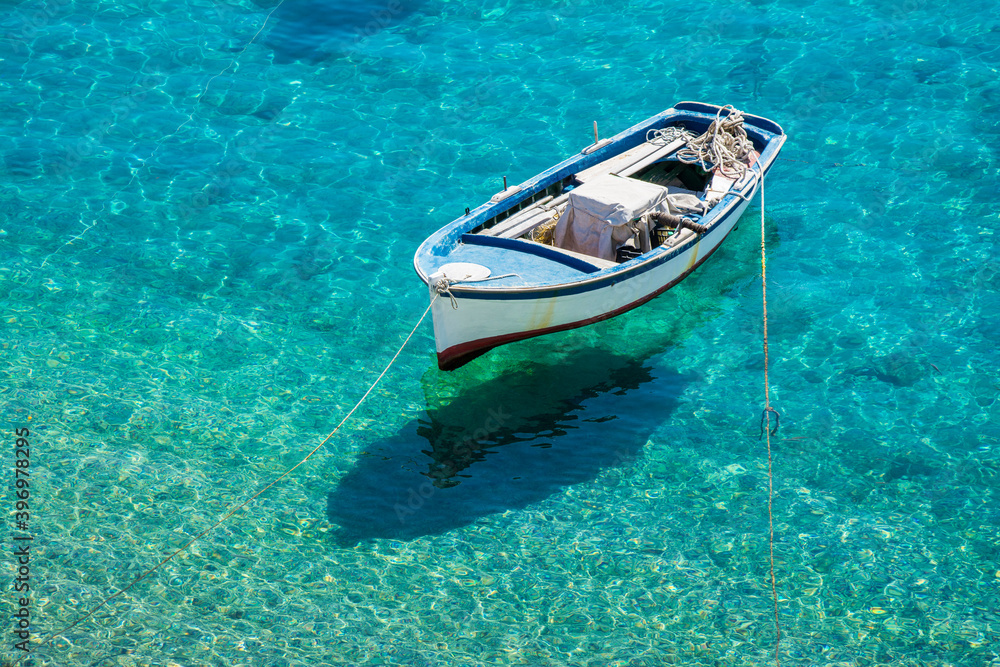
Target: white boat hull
<point>493,282</point>
<point>484,318</point>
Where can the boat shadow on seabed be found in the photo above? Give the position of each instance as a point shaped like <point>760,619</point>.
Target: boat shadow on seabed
<point>518,425</point>
<point>503,444</point>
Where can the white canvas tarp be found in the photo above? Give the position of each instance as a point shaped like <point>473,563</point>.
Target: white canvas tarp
<point>598,213</point>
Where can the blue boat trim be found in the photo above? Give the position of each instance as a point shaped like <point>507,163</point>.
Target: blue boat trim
<point>593,281</point>
<point>535,279</point>
<point>758,121</point>
<point>609,276</point>
<point>436,249</point>
<point>459,355</point>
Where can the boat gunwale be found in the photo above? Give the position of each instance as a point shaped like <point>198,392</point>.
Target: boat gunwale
<point>460,354</point>
<point>770,144</point>
<point>593,280</point>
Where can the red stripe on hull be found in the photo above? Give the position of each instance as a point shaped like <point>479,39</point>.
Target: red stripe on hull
<point>457,356</point>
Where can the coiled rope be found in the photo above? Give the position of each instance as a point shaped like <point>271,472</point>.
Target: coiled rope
<point>724,145</point>
<point>236,508</point>
<point>766,422</point>
<point>668,135</point>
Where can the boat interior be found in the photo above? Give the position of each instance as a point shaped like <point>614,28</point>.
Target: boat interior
<point>535,219</point>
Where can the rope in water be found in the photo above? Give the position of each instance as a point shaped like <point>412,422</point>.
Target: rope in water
<point>829,164</point>
<point>767,415</point>
<point>243,504</point>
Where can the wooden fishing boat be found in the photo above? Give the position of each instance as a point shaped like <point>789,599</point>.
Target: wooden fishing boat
<point>598,234</point>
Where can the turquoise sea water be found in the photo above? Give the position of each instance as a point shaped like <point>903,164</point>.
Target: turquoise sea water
<point>205,260</point>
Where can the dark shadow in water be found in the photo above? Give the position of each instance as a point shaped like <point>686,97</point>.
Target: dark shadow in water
<point>316,30</point>
<point>504,444</point>
<point>521,423</point>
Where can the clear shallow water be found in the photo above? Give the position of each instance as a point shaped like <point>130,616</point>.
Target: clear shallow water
<point>239,272</point>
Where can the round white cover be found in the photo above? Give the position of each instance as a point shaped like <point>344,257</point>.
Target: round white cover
<point>464,271</point>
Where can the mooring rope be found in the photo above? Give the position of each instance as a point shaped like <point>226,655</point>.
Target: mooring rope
<point>443,286</point>
<point>829,164</point>
<point>766,418</point>
<point>243,504</point>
